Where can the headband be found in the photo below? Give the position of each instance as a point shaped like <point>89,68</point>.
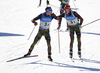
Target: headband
<point>48,10</point>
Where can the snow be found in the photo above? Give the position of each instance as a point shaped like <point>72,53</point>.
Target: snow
<point>16,26</point>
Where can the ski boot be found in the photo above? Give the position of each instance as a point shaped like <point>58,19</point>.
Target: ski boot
<point>28,54</point>
<point>50,59</point>
<point>66,30</point>
<point>70,54</point>
<point>79,54</point>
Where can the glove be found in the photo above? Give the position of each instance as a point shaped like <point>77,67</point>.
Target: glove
<point>80,23</point>
<point>59,26</point>
<point>58,18</point>
<point>67,27</point>
<point>79,26</point>
<point>35,23</point>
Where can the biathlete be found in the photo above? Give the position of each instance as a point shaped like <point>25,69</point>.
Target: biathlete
<point>74,22</point>
<point>45,21</point>
<point>62,5</point>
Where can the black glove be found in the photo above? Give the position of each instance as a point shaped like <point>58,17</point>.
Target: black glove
<point>59,26</point>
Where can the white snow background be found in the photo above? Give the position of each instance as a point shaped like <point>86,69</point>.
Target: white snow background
<point>16,26</point>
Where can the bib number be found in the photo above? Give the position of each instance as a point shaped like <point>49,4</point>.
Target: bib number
<point>72,22</point>
<point>45,25</point>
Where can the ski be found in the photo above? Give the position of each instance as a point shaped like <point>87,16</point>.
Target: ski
<point>74,59</point>
<point>80,59</point>
<point>61,30</point>
<point>21,58</point>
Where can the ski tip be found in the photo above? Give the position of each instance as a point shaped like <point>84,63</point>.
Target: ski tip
<point>7,61</point>
<point>36,55</point>
<point>33,56</point>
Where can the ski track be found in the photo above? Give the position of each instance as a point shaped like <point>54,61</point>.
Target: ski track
<point>16,26</point>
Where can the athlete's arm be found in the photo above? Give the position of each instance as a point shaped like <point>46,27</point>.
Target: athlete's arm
<point>79,17</point>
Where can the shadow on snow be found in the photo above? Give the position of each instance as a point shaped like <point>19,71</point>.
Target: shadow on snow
<point>9,34</point>
<point>67,66</point>
<point>89,60</point>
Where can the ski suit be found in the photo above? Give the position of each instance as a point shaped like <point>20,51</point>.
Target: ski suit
<point>74,26</point>
<point>45,22</point>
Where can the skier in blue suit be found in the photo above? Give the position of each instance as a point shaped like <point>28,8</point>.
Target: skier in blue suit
<point>45,21</point>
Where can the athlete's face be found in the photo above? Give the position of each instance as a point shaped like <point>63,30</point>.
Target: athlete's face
<point>48,13</point>
<point>67,11</point>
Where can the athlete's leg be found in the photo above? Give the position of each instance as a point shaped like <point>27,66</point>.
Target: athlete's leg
<point>78,33</point>
<point>71,32</point>
<point>37,38</point>
<point>48,40</point>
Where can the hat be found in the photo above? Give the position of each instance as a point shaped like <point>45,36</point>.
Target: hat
<point>67,7</point>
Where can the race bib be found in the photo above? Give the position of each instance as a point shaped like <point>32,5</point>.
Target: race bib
<point>45,25</point>
<point>72,22</point>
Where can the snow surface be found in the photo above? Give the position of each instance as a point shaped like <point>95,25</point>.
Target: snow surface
<point>16,26</point>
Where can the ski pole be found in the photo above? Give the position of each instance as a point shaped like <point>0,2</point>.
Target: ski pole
<point>58,10</point>
<point>91,22</point>
<point>58,41</point>
<point>31,33</point>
